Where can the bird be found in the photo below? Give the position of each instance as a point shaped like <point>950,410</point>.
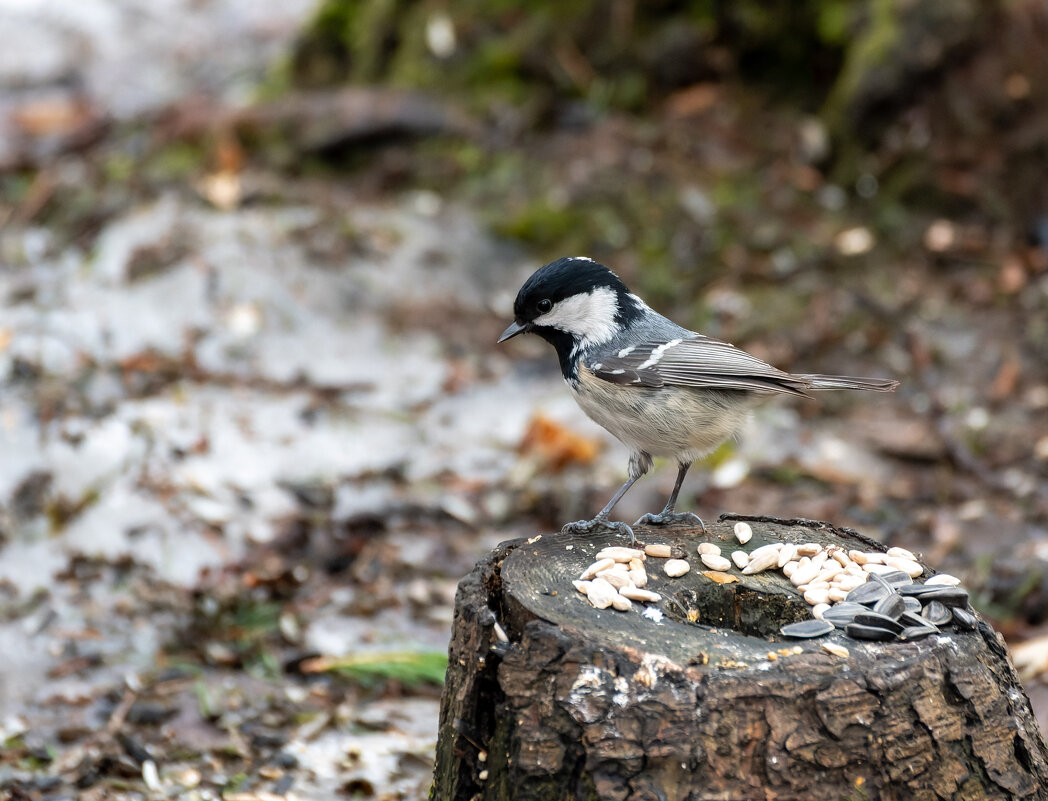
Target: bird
<point>660,389</point>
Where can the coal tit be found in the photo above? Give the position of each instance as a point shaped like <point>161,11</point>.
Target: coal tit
<point>660,389</point>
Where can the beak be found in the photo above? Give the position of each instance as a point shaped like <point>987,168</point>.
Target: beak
<point>514,329</point>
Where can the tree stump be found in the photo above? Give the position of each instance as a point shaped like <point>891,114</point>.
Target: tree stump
<point>581,703</point>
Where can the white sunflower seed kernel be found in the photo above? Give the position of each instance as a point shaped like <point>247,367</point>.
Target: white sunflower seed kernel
<point>621,603</point>
<point>761,562</point>
<point>787,554</point>
<point>804,573</point>
<point>581,586</point>
<point>774,547</point>
<point>616,579</point>
<point>945,579</point>
<point>709,547</point>
<point>743,532</point>
<point>620,553</point>
<point>835,649</point>
<point>808,548</point>
<point>639,578</point>
<point>658,550</point>
<point>790,568</point>
<point>819,596</point>
<point>907,566</point>
<point>715,562</point>
<point>818,609</point>
<point>902,553</point>
<point>595,568</point>
<point>740,558</point>
<point>675,568</point>
<point>601,593</point>
<point>873,567</point>
<point>638,594</point>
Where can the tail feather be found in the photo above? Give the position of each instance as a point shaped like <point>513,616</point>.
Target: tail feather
<point>819,382</point>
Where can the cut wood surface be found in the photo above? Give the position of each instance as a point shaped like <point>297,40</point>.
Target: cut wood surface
<point>550,698</point>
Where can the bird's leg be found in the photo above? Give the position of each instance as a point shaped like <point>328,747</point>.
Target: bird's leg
<point>667,515</point>
<point>639,465</point>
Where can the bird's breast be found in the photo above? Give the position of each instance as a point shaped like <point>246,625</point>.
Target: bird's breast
<point>668,421</point>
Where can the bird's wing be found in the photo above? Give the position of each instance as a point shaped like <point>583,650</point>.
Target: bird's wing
<point>697,361</point>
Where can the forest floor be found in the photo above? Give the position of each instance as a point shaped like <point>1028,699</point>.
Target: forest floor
<point>254,426</point>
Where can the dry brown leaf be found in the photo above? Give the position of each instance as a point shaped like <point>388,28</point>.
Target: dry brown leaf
<point>718,577</point>
<point>557,446</point>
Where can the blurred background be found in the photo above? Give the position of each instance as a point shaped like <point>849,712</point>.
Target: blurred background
<point>254,258</point>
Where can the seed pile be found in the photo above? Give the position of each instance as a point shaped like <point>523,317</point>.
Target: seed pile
<point>868,594</point>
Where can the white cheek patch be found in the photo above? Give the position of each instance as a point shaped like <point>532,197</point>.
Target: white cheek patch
<point>589,316</point>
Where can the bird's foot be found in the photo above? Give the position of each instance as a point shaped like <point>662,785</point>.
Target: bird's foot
<point>666,518</point>
<point>599,524</point>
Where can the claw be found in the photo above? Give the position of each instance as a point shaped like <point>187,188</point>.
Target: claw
<point>589,526</point>
<point>666,518</point>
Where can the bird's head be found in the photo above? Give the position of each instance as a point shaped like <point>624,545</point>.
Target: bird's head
<point>573,303</point>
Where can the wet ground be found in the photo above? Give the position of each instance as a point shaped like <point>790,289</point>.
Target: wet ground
<point>250,439</point>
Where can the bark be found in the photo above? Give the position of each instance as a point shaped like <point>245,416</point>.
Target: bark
<point>583,703</point>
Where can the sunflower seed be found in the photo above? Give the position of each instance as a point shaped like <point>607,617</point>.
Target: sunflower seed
<point>912,604</point>
<point>869,593</point>
<point>620,553</point>
<point>950,596</point>
<point>790,568</point>
<point>912,619</point>
<point>908,566</point>
<point>715,562</point>
<point>897,578</point>
<point>890,605</point>
<point>774,547</point>
<point>860,631</point>
<point>943,578</point>
<point>740,558</point>
<point>818,609</point>
<point>848,582</point>
<point>804,573</point>
<point>837,594</point>
<point>639,578</point>
<point>595,568</point>
<point>840,557</point>
<point>658,550</point>
<point>601,593</point>
<point>937,613</point>
<point>916,632</point>
<point>638,594</point>
<point>964,619</point>
<point>835,649</point>
<point>808,549</point>
<point>621,603</point>
<point>788,552</point>
<point>616,578</point>
<point>843,613</point>
<point>676,567</point>
<point>581,586</point>
<point>902,553</point>
<point>876,568</point>
<point>817,596</point>
<point>743,532</point>
<point>875,619</point>
<point>636,564</point>
<point>807,629</point>
<point>761,562</point>
<point>709,547</point>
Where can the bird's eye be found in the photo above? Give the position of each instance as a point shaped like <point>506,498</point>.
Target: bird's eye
<point>544,305</point>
